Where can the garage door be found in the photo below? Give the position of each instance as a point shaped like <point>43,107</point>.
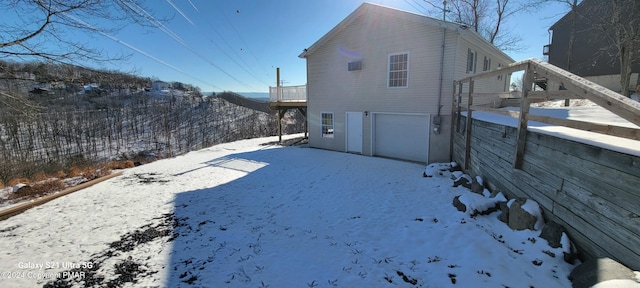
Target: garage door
<point>401,136</point>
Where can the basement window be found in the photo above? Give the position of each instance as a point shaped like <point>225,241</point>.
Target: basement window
<point>327,125</point>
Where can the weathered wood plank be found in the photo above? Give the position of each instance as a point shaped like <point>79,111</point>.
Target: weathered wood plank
<point>523,120</point>
<point>514,67</point>
<point>620,161</point>
<point>553,95</point>
<point>615,220</point>
<point>520,181</point>
<point>609,184</point>
<point>514,114</point>
<point>468,134</point>
<point>503,136</point>
<point>618,131</point>
<point>452,136</point>
<point>605,243</point>
<point>603,176</point>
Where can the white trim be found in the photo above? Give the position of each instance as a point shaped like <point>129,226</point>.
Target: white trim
<point>333,124</point>
<point>389,67</point>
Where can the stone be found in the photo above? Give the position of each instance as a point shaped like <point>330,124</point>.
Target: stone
<point>462,181</point>
<point>459,205</point>
<point>504,216</point>
<point>476,187</point>
<point>552,232</point>
<point>520,219</point>
<point>598,270</point>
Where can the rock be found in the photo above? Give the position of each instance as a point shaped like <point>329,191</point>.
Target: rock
<point>595,271</point>
<point>476,186</point>
<point>461,181</point>
<point>436,169</point>
<point>504,216</point>
<point>459,205</point>
<point>519,218</point>
<point>552,232</point>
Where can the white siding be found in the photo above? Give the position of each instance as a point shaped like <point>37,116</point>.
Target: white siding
<point>371,37</point>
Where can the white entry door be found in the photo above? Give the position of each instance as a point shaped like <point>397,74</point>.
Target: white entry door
<point>354,132</point>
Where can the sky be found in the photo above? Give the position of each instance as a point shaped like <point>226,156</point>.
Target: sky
<point>237,45</point>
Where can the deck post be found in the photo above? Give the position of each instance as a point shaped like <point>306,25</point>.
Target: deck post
<point>467,154</point>
<point>453,123</point>
<point>523,120</point>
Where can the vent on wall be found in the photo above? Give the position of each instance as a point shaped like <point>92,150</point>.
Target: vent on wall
<point>353,66</point>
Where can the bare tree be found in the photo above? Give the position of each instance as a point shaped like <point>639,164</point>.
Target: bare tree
<point>487,17</point>
<point>48,30</point>
<point>622,29</point>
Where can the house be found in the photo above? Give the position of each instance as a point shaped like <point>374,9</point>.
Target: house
<point>158,85</point>
<point>591,57</point>
<point>380,83</point>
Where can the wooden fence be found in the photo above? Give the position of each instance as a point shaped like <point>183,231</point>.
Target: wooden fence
<point>592,191</point>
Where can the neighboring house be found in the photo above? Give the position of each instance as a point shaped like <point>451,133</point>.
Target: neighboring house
<point>376,85</point>
<point>591,56</point>
<point>159,85</point>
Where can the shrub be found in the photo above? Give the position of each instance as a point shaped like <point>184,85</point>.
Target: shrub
<point>121,164</point>
<point>38,189</point>
<point>16,181</point>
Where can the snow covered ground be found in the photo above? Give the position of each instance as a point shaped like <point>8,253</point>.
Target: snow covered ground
<point>244,214</point>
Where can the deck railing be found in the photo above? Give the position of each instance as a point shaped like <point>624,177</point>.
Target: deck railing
<point>288,94</point>
<point>575,88</point>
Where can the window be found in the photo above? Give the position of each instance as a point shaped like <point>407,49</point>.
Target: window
<point>499,67</point>
<point>486,64</point>
<point>353,66</point>
<point>471,61</point>
<point>327,125</point>
<point>398,70</point>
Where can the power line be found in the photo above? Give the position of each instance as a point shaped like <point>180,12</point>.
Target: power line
<point>134,48</point>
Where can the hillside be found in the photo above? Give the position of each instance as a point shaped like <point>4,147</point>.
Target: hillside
<point>56,117</point>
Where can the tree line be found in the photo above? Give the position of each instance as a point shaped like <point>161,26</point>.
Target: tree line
<point>51,141</point>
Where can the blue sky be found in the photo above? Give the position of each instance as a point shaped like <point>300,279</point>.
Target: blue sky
<point>237,45</point>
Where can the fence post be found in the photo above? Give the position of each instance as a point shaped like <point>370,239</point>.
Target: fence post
<point>453,122</point>
<point>521,139</point>
<point>467,146</point>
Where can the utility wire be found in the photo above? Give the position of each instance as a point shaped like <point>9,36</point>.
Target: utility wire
<point>135,49</point>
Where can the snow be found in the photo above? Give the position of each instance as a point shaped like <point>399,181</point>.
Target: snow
<point>252,215</point>
<point>587,112</point>
<point>617,283</point>
<point>476,202</point>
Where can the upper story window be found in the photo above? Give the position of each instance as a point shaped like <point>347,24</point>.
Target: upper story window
<point>398,70</point>
<point>486,64</point>
<point>472,56</point>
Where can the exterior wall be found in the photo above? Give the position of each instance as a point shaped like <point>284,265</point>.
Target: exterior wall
<point>591,191</point>
<point>370,38</point>
<point>334,89</point>
<point>588,57</point>
<point>483,50</point>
